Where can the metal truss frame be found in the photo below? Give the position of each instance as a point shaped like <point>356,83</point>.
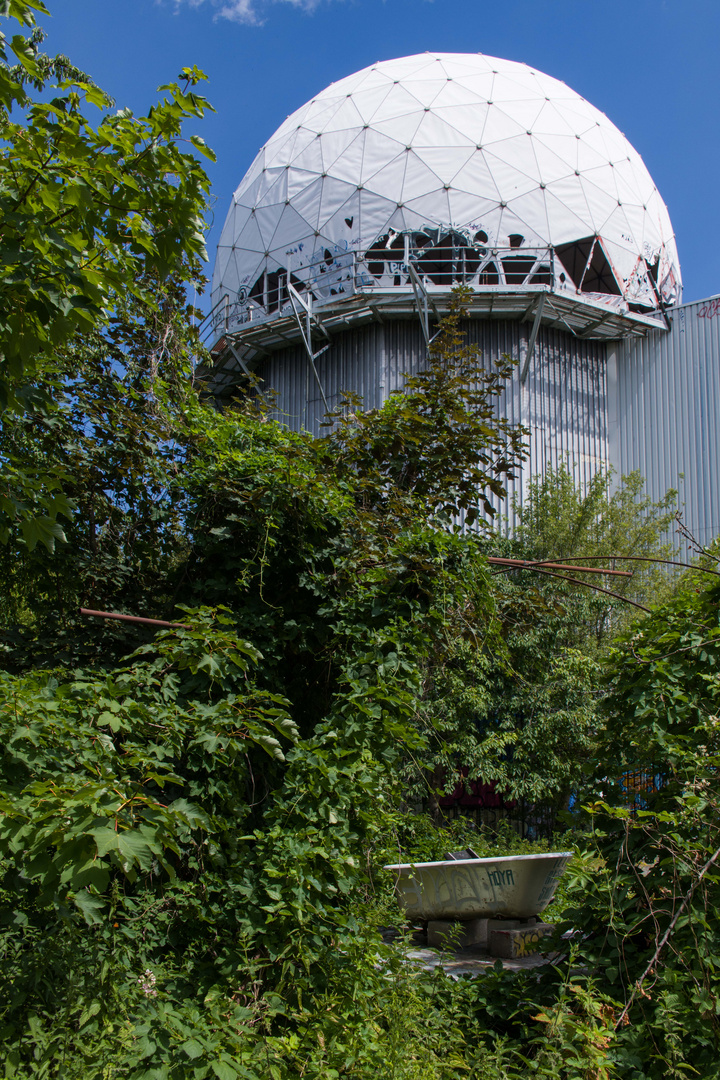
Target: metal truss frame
<point>305,326</point>
<point>424,302</point>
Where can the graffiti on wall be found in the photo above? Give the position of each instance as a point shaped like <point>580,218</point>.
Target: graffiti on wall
<point>529,941</point>
<point>710,309</point>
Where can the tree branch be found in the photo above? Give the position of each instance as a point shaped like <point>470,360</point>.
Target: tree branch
<point>666,936</point>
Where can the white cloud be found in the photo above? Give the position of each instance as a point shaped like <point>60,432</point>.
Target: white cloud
<point>250,12</point>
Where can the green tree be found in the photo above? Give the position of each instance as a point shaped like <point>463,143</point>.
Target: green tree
<point>559,520</point>
<point>441,437</point>
<point>90,213</point>
<point>120,431</point>
<point>520,710</point>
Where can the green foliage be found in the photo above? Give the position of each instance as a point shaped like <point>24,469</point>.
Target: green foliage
<point>439,437</point>
<point>521,710</point>
<point>159,795</point>
<point>522,717</point>
<point>192,835</point>
<point>91,213</point>
<point>650,908</point>
<point>112,777</point>
<point>120,434</point>
<point>560,522</point>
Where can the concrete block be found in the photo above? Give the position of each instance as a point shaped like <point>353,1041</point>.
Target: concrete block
<point>505,924</point>
<point>511,944</point>
<point>441,935</point>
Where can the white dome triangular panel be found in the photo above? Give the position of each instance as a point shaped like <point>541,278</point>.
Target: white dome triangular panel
<point>352,83</point>
<point>292,229</point>
<point>477,176</point>
<point>452,93</point>
<point>346,117</point>
<point>247,199</point>
<point>466,206</point>
<point>506,87</point>
<point>339,166</point>
<point>524,112</point>
<point>267,220</point>
<point>643,234</point>
<point>604,179</point>
<point>222,259</point>
<point>334,198</point>
<point>563,146</point>
<point>414,221</point>
<point>438,198</point>
<point>369,102</point>
<point>307,202</point>
<point>616,143</point>
<point>322,115</point>
<point>425,91</point>
<point>405,68</point>
<point>275,188</point>
<point>626,189</point>
<point>551,166</point>
<point>511,167</point>
<point>402,128</point>
<point>601,204</point>
<point>589,157</point>
<point>419,178</point>
<point>554,119</point>
<point>570,192</point>
<point>396,106</point>
<point>311,158</point>
<point>335,144</point>
<point>630,186</point>
<point>480,84</point>
<point>460,64</point>
<point>445,166</point>
<point>563,225</point>
<point>283,151</point>
<point>581,116</point>
<point>463,128</point>
<point>530,208</point>
<point>592,136</point>
<point>429,67</point>
<point>227,238</point>
<point>257,167</point>
<point>622,259</point>
<point>398,221</point>
<point>373,216</point>
<point>348,167</point>
<point>389,181</point>
<point>298,181</point>
<point>498,126</point>
<point>380,151</point>
<point>235,268</point>
<point>250,238</point>
<point>341,225</point>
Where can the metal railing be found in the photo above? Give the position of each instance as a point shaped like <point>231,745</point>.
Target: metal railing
<point>343,274</point>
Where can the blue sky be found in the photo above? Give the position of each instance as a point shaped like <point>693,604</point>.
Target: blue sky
<point>651,65</point>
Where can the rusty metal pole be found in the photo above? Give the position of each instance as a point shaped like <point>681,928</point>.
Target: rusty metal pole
<point>132,619</point>
<point>527,564</point>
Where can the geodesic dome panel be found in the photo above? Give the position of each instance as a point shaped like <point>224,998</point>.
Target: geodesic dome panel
<point>452,149</point>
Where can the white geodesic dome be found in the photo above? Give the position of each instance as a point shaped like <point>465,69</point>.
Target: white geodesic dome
<point>487,151</point>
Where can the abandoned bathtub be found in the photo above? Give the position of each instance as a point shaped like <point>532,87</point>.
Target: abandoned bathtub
<point>508,886</point>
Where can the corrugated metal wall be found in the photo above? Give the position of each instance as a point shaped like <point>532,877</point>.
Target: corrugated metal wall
<point>664,409</point>
<point>562,403</point>
<point>648,404</point>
